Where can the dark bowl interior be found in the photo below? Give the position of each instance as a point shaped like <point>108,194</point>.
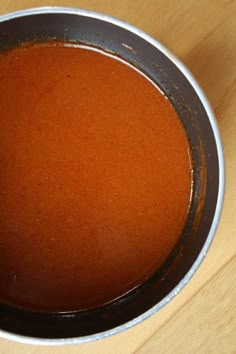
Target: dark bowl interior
<point>133,48</point>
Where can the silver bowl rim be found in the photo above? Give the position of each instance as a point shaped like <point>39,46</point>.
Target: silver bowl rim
<point>219,204</point>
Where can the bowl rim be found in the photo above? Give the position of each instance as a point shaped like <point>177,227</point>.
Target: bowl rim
<point>125,25</point>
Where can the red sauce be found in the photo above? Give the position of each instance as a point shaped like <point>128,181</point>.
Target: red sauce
<point>95,177</point>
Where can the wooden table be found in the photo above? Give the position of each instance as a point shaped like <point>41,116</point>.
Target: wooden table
<point>202,318</point>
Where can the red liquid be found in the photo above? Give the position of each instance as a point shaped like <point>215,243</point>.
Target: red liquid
<point>95,178</point>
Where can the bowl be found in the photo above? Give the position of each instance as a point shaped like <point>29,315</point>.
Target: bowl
<point>153,59</point>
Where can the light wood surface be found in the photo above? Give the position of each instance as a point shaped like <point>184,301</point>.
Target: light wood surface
<point>202,318</point>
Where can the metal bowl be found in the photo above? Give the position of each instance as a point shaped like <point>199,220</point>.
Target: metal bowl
<point>152,58</point>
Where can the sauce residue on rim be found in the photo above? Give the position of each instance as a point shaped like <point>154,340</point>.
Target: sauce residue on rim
<point>95,177</point>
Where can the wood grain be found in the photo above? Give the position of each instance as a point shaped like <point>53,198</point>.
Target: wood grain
<point>211,330</point>
<point>201,318</point>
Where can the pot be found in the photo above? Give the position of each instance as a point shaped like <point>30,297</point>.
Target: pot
<point>154,60</point>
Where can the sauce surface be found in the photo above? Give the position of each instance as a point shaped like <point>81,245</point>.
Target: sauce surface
<point>95,177</point>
